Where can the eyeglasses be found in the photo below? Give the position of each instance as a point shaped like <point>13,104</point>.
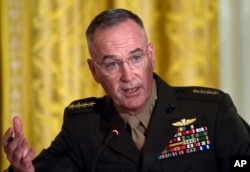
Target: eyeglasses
<point>113,66</point>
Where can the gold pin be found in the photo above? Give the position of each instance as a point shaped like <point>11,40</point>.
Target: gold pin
<point>183,122</point>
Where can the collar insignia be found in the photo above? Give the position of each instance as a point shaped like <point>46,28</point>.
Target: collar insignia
<point>183,122</point>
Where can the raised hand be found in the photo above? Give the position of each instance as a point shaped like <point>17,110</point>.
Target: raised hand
<point>16,147</point>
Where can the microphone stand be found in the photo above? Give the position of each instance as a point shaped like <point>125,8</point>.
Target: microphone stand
<point>114,133</point>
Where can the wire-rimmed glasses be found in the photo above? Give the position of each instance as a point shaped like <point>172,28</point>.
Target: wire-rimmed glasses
<point>112,66</point>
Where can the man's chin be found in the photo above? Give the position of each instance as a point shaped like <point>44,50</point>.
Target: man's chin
<point>132,107</point>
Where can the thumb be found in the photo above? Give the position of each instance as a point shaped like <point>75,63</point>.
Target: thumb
<point>17,124</point>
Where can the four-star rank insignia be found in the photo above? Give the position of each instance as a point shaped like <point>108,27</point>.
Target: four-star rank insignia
<point>80,105</point>
<point>189,138</point>
<point>205,92</point>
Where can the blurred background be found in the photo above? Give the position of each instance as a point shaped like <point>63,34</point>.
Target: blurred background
<point>43,54</point>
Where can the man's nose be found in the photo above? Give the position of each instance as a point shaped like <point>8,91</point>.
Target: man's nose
<point>127,72</point>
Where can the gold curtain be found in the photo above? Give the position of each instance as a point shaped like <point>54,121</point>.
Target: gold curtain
<point>43,55</point>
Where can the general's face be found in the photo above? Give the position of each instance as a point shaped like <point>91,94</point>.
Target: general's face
<point>130,88</point>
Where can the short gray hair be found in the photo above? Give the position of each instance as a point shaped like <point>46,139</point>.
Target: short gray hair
<point>109,18</point>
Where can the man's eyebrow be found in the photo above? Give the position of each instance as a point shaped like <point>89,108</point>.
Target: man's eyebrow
<point>108,57</point>
<point>136,50</point>
<point>114,57</point>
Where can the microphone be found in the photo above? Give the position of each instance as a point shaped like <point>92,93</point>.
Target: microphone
<point>114,133</point>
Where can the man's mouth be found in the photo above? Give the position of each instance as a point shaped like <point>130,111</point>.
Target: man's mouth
<point>130,90</point>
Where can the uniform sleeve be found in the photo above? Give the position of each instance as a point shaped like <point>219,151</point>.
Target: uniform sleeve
<point>62,154</point>
<point>232,135</point>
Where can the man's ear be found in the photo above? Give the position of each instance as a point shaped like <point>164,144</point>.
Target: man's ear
<point>151,54</point>
<point>92,68</point>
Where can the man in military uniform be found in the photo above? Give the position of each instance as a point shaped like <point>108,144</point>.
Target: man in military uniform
<point>143,124</point>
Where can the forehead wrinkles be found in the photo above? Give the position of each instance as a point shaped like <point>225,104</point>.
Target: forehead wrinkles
<point>121,38</point>
<point>117,48</point>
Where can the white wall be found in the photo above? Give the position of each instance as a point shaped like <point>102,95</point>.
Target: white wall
<point>234,34</point>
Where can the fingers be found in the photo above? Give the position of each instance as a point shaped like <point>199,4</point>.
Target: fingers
<point>13,132</point>
<point>24,148</point>
<point>16,146</point>
<point>22,151</point>
<point>15,141</point>
<point>19,154</point>
<point>29,156</point>
<point>26,162</point>
<point>7,137</point>
<point>13,137</point>
<point>13,148</point>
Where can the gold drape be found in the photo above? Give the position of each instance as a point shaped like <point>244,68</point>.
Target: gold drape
<point>43,55</point>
